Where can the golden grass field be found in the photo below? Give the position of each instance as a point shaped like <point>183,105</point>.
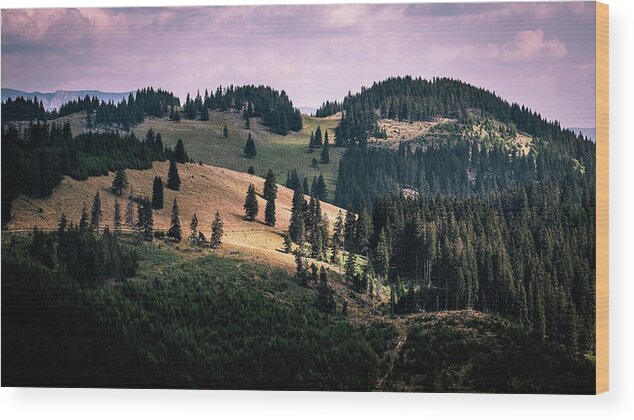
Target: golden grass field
<point>204,190</point>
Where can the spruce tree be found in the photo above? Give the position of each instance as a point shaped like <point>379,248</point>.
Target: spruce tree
<point>337,238</point>
<point>62,225</point>
<point>249,148</point>
<point>270,186</point>
<point>180,155</point>
<point>288,243</point>
<point>193,228</point>
<point>269,212</point>
<point>251,204</point>
<point>173,179</point>
<point>120,182</point>
<point>117,217</point>
<point>305,186</point>
<point>95,217</point>
<point>296,227</point>
<point>225,132</point>
<point>174,231</point>
<point>325,151</point>
<point>351,268</point>
<point>381,256</point>
<point>320,191</point>
<point>157,193</point>
<point>217,230</point>
<point>251,170</point>
<point>317,142</point>
<point>145,220</point>
<point>204,115</point>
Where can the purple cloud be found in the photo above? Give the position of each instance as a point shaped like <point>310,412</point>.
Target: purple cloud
<point>538,54</point>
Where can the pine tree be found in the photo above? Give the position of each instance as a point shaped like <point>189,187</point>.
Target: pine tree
<point>251,204</point>
<point>247,123</point>
<point>117,217</point>
<point>288,243</point>
<point>193,228</point>
<point>225,132</point>
<point>145,222</point>
<point>204,115</point>
<point>251,170</point>
<point>317,142</point>
<point>337,238</point>
<point>174,231</point>
<point>180,155</point>
<point>62,225</point>
<point>157,193</point>
<point>173,179</point>
<point>296,227</point>
<point>351,268</point>
<point>120,182</point>
<point>305,186</point>
<point>311,142</point>
<point>269,212</point>
<point>217,230</point>
<point>325,300</point>
<point>325,151</point>
<point>95,217</point>
<point>270,186</point>
<point>381,256</point>
<point>249,148</point>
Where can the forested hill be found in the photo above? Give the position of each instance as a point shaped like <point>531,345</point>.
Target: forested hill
<point>416,99</point>
<point>274,108</point>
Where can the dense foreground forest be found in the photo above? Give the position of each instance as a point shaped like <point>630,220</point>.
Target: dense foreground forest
<point>213,322</point>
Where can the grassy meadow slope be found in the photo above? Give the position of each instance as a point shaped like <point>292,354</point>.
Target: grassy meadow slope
<point>204,142</point>
<point>204,189</point>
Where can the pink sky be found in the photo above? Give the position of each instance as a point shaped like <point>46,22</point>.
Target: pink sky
<point>537,54</point>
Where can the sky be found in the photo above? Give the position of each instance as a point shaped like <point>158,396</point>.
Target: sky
<point>541,55</point>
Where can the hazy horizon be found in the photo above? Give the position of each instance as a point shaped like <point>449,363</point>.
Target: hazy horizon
<point>539,55</point>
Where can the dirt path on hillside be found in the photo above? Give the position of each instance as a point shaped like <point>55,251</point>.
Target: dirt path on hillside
<point>401,328</point>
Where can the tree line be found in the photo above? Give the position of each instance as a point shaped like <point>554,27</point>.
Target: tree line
<point>35,159</point>
<point>416,99</point>
<point>274,108</point>
<point>25,109</point>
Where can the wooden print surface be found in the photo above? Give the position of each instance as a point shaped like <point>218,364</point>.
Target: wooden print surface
<point>603,198</point>
<point>399,198</point>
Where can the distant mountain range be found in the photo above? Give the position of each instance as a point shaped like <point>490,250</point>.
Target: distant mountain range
<point>53,100</point>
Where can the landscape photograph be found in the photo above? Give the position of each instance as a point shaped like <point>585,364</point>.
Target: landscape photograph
<point>345,197</point>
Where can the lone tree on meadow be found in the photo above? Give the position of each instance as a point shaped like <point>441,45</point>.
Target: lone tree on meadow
<point>249,148</point>
<point>193,227</point>
<point>251,170</point>
<point>174,231</point>
<point>317,142</point>
<point>270,186</point>
<point>251,204</point>
<point>173,180</point>
<point>157,193</point>
<point>269,212</point>
<point>120,182</point>
<point>95,217</point>
<point>180,155</point>
<point>217,230</point>
<point>225,132</point>
<point>325,151</point>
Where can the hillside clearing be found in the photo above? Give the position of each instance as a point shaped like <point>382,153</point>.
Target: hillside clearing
<point>204,190</point>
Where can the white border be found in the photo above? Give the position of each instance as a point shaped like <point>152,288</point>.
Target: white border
<point>108,404</point>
